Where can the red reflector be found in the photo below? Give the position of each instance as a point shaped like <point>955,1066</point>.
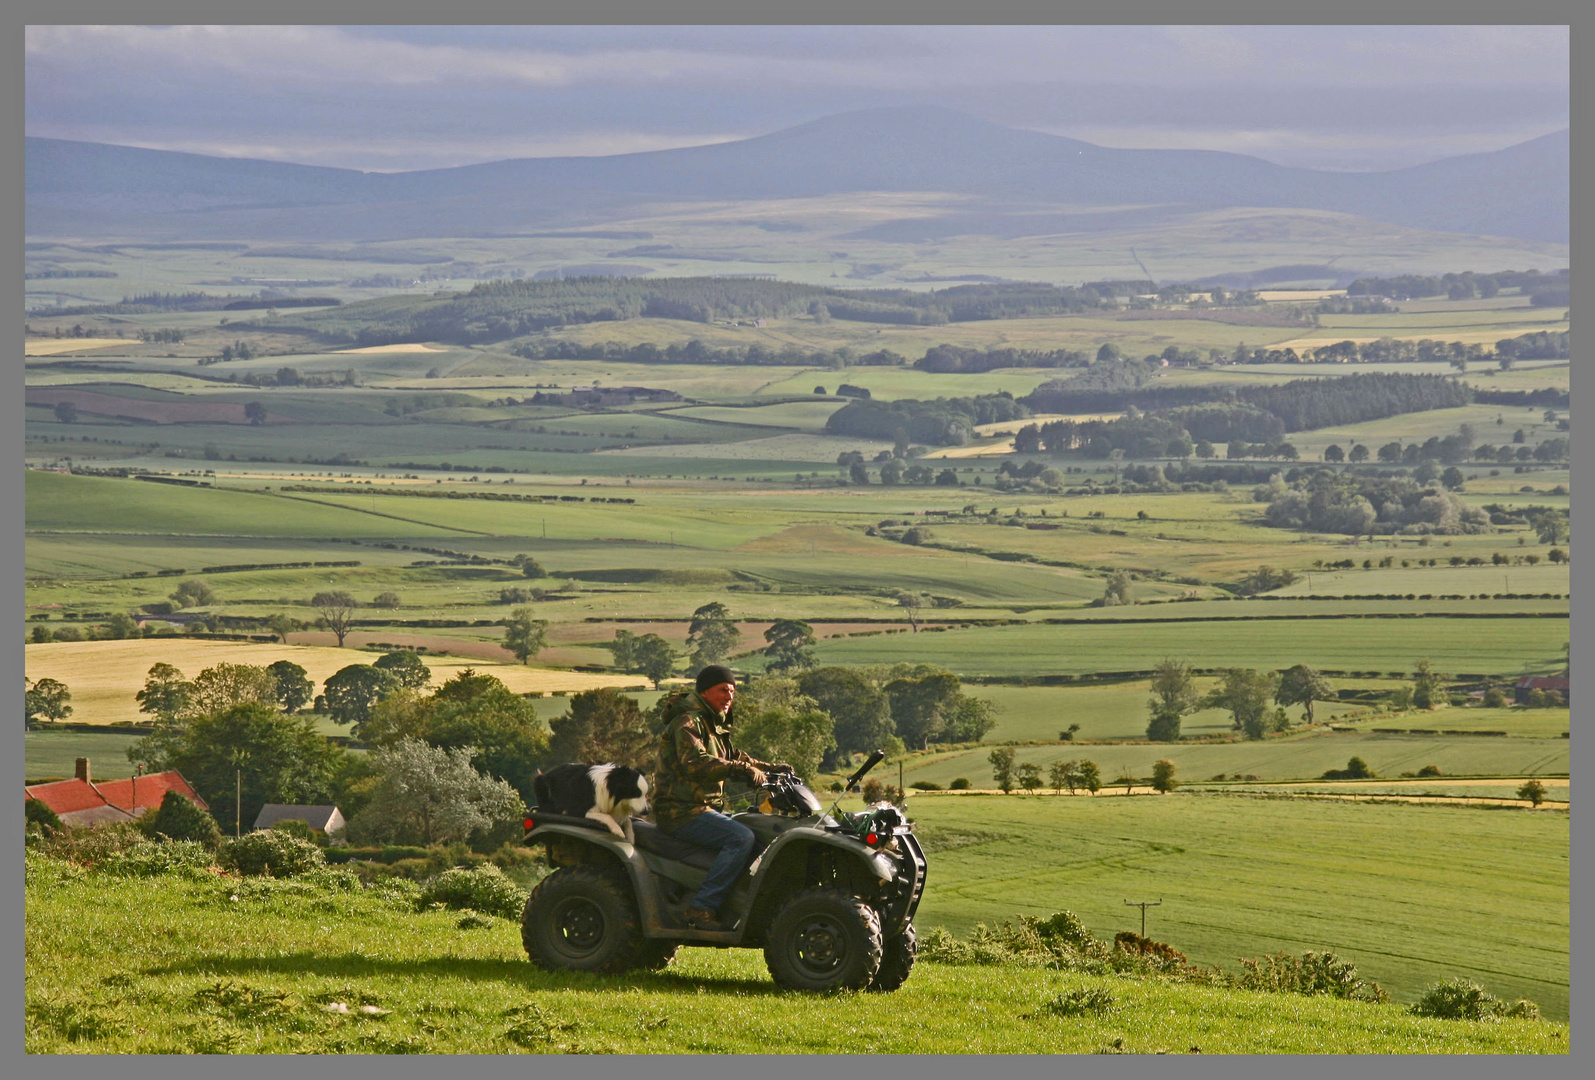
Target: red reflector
<point>529,824</point>
<point>872,839</point>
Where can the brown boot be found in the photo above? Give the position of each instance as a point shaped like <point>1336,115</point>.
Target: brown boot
<point>699,919</point>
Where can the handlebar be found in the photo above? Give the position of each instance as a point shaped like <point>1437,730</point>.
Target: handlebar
<point>874,759</point>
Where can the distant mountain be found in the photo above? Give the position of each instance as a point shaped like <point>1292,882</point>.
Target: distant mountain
<point>88,188</point>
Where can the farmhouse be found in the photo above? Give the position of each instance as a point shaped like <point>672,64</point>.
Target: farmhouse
<point>327,819</point>
<point>80,801</point>
<point>1530,683</point>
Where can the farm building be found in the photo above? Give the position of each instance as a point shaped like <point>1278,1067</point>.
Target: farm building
<point>1530,683</point>
<point>327,819</point>
<point>80,801</point>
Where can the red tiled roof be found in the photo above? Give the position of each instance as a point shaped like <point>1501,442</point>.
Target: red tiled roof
<point>71,796</point>
<point>150,791</point>
<point>66,796</point>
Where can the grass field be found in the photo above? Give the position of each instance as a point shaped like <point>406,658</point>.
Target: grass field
<point>1299,757</point>
<point>163,965</point>
<point>1350,644</point>
<point>1410,893</point>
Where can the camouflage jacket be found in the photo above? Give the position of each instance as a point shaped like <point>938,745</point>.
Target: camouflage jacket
<point>695,760</point>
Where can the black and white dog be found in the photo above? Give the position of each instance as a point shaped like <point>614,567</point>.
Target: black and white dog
<point>609,794</point>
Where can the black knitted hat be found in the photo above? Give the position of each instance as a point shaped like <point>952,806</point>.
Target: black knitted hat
<point>714,675</point>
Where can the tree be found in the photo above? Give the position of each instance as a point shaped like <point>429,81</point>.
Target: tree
<point>1333,453</point>
<point>1495,698</point>
<point>222,686</point>
<point>861,710</point>
<point>468,710</point>
<point>1063,774</point>
<point>892,472</point>
<point>1426,684</point>
<point>857,473</point>
<point>1090,776</point>
<point>66,412</point>
<point>1245,692</point>
<point>1205,449</point>
<point>280,758</point>
<point>166,693</point>
<point>283,625</point>
<point>433,796</point>
<point>911,602</point>
<point>530,567</point>
<point>776,721</point>
<point>193,593</point>
<point>351,691</point>
<point>119,627</point>
<point>524,635</point>
<point>1163,771</point>
<point>1453,478</point>
<point>919,705</point>
<point>1173,695</point>
<point>1030,776</point>
<point>406,667</point>
<point>947,478</point>
<point>179,819</point>
<point>791,645</point>
<point>387,601</point>
<point>1301,685</point>
<point>1533,791</point>
<point>1549,526</point>
<point>337,612</point>
<point>711,635</point>
<point>1359,454</point>
<point>1119,590</point>
<point>1390,453</point>
<point>1556,555</point>
<point>601,725</point>
<point>646,654</point>
<point>294,688</point>
<point>47,700</point>
<point>968,719</point>
<point>1002,769</point>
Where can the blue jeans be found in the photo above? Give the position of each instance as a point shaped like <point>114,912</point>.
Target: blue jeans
<point>733,843</point>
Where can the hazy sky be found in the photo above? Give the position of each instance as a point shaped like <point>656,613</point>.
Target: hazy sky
<point>393,98</point>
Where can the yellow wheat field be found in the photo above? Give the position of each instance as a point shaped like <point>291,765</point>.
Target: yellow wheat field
<point>104,675</point>
<point>55,346</point>
<point>406,347</point>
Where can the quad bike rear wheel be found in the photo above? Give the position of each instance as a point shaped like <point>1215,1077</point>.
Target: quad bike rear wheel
<point>581,919</point>
<point>897,959</point>
<point>823,939</point>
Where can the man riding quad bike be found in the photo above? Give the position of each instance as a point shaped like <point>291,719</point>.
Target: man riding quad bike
<point>829,896</point>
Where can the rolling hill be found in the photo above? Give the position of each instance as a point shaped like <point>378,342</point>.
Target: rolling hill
<point>1011,182</point>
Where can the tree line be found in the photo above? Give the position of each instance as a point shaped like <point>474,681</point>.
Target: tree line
<point>942,422</point>
<point>1458,286</point>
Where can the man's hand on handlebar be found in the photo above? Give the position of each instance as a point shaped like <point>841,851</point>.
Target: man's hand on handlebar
<point>780,767</point>
<point>755,775</point>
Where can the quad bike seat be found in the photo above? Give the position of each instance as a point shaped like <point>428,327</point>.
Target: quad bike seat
<point>651,837</point>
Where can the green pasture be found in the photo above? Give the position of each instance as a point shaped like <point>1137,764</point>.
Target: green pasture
<point>1411,894</point>
<point>1436,580</point>
<point>55,753</point>
<point>803,415</point>
<point>1520,721</point>
<point>1491,646</point>
<point>1417,427</point>
<point>1556,791</point>
<point>171,964</point>
<point>1304,755</point>
<point>1110,711</point>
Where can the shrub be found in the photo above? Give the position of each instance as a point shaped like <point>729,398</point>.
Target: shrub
<point>157,859</point>
<point>179,819</point>
<point>1429,770</point>
<point>925,785</point>
<point>1495,698</point>
<point>272,853</point>
<point>960,784</point>
<point>1092,999</point>
<point>481,888</point>
<point>1060,941</point>
<point>295,827</point>
<point>43,816</point>
<point>91,845</point>
<point>1128,941</point>
<point>1533,791</point>
<point>1310,973</point>
<point>1461,999</point>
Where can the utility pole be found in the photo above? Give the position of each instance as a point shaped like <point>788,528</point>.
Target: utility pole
<point>238,807</point>
<point>1143,905</point>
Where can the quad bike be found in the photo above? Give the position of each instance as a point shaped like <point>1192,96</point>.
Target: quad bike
<point>829,896</point>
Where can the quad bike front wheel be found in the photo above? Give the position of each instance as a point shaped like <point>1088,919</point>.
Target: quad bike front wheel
<point>823,939</point>
<point>581,919</point>
<point>897,959</point>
